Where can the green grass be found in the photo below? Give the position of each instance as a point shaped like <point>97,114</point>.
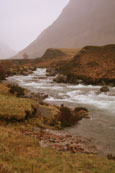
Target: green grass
<point>12,107</point>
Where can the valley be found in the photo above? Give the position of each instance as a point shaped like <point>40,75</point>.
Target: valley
<point>57,95</point>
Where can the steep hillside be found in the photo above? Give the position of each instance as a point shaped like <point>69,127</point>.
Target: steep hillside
<point>92,64</point>
<point>56,57</point>
<point>5,51</point>
<point>82,23</point>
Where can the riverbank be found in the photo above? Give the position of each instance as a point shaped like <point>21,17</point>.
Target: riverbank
<point>26,145</point>
<point>22,153</point>
<point>101,107</point>
<point>40,121</point>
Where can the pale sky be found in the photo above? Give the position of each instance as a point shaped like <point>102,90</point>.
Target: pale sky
<point>21,21</point>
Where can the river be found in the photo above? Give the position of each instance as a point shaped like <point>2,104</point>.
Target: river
<point>101,125</point>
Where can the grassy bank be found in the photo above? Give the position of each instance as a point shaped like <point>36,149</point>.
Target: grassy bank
<point>19,153</point>
<point>14,108</point>
<point>93,65</point>
<point>16,67</point>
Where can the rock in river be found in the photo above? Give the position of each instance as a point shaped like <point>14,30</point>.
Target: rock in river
<point>104,89</point>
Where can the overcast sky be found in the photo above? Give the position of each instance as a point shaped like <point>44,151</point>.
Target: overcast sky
<point>21,21</point>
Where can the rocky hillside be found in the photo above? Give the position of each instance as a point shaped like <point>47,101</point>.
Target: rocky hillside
<point>5,51</point>
<point>82,23</point>
<point>92,64</point>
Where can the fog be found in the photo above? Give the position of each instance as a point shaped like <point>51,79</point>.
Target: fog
<point>21,21</point>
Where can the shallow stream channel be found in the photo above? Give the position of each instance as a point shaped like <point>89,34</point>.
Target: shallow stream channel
<point>100,127</point>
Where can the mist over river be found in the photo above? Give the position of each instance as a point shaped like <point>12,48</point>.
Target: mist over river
<point>101,125</point>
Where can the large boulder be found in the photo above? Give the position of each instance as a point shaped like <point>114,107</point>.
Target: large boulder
<point>50,115</point>
<point>60,117</point>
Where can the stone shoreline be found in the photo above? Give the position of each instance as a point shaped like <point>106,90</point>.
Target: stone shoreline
<point>68,143</point>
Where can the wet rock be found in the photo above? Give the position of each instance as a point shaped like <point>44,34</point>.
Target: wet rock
<point>37,96</point>
<point>27,72</point>
<point>43,95</point>
<point>51,72</point>
<point>50,139</point>
<point>104,89</point>
<point>50,112</point>
<point>81,112</point>
<point>60,78</point>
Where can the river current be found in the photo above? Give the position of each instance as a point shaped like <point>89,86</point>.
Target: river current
<point>101,125</point>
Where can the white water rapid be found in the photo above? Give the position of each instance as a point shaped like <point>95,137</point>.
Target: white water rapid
<point>101,106</point>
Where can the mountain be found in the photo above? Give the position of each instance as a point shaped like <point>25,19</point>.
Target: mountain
<point>81,23</point>
<point>56,57</point>
<point>6,51</point>
<point>93,65</point>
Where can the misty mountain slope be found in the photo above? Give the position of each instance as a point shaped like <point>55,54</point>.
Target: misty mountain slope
<point>5,51</point>
<point>81,23</point>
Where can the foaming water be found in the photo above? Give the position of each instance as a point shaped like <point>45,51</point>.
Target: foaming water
<point>78,94</point>
<point>101,106</point>
<point>92,98</point>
